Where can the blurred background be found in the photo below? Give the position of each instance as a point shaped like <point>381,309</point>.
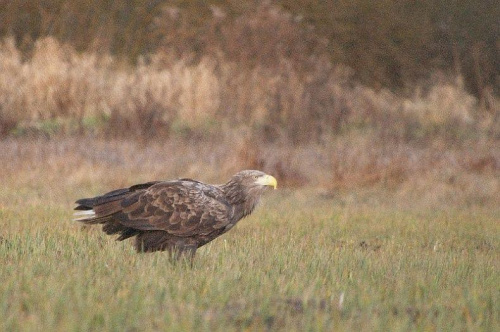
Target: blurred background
<point>337,95</point>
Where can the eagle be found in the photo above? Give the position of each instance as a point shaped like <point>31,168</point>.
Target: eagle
<point>177,216</point>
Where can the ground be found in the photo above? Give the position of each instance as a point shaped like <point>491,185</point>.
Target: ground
<point>305,260</point>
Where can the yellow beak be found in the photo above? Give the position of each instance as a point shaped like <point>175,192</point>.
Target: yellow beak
<point>267,180</point>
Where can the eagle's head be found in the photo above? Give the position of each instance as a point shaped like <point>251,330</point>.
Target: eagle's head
<point>252,179</point>
<point>246,187</point>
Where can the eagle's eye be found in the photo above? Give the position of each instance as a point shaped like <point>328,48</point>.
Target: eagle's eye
<point>255,177</point>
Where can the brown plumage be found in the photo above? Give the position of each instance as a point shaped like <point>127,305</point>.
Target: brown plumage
<point>179,216</point>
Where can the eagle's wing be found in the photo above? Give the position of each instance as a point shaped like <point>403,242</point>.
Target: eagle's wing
<point>181,208</point>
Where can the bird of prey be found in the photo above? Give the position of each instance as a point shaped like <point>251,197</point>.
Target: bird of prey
<point>178,216</point>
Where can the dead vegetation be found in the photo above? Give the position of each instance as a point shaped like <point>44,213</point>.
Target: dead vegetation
<point>58,90</point>
<point>309,126</point>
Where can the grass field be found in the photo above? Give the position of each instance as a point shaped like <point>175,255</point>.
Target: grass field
<point>304,261</point>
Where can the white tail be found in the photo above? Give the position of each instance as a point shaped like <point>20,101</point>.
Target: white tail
<point>87,214</point>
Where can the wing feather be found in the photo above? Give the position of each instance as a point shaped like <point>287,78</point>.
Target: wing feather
<point>181,208</point>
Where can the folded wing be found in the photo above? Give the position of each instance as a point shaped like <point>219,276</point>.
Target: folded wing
<point>181,208</point>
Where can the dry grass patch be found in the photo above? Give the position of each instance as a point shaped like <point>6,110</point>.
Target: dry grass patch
<point>58,90</point>
<point>301,262</point>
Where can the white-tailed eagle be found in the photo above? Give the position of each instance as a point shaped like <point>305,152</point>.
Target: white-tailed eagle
<point>178,216</point>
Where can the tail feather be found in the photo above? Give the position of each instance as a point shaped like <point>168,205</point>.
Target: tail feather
<point>104,209</point>
<point>92,202</point>
<point>94,220</point>
<point>118,194</point>
<point>97,210</point>
<point>84,215</point>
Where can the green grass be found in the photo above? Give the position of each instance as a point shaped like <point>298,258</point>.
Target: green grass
<point>298,263</point>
